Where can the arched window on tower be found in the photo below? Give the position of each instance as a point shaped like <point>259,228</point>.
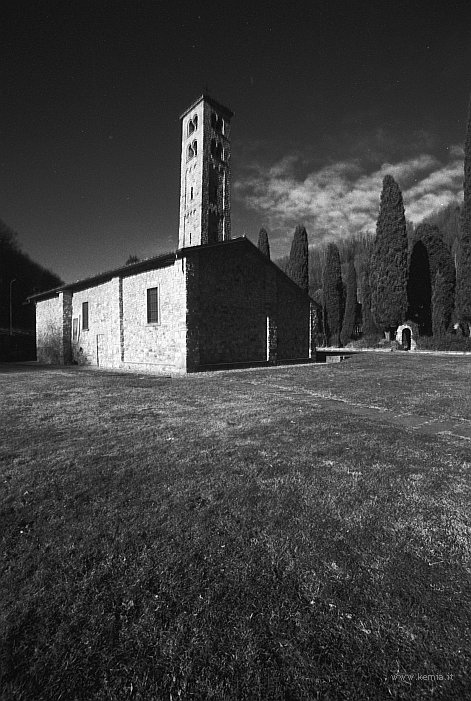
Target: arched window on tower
<point>195,147</point>
<point>193,124</point>
<point>216,149</point>
<point>190,152</point>
<point>217,123</point>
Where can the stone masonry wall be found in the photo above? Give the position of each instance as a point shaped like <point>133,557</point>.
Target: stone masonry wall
<point>293,321</point>
<point>49,330</point>
<point>67,326</point>
<point>159,347</point>
<point>100,343</point>
<point>216,206</point>
<point>191,181</point>
<point>226,307</point>
<point>241,309</point>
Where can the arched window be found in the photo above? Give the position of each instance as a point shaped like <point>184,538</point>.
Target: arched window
<point>217,123</point>
<point>193,124</point>
<point>190,152</point>
<point>216,149</point>
<point>191,193</point>
<point>195,147</point>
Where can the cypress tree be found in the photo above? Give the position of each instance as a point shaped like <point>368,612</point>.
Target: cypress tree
<point>333,291</point>
<point>440,306</point>
<point>368,324</point>
<point>263,243</point>
<point>298,269</point>
<point>463,271</point>
<point>419,289</point>
<point>440,259</point>
<point>350,304</point>
<point>388,277</point>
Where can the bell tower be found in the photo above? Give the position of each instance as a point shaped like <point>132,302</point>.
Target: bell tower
<point>205,202</point>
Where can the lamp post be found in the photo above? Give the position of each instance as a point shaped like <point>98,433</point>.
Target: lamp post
<point>11,309</point>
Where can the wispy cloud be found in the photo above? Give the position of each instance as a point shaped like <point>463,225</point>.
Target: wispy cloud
<point>343,197</point>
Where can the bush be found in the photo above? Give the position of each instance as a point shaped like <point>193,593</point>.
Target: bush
<point>444,343</point>
<point>368,341</point>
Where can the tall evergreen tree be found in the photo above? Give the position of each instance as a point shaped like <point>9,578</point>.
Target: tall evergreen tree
<point>350,304</point>
<point>388,277</point>
<point>448,220</point>
<point>333,291</point>
<point>439,306</point>
<point>440,259</point>
<point>298,268</point>
<point>263,243</point>
<point>463,272</point>
<point>368,323</point>
<point>419,289</point>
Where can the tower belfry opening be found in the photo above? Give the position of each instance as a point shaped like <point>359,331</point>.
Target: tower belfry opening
<point>205,206</point>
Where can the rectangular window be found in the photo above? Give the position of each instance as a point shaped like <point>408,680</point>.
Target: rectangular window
<point>85,316</point>
<point>153,305</point>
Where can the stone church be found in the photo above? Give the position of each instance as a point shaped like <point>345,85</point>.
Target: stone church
<point>214,302</point>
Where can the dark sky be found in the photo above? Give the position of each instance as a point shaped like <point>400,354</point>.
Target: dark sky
<point>328,97</point>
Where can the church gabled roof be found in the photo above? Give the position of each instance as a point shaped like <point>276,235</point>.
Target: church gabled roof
<point>244,241</point>
<point>160,261</point>
<point>131,269</point>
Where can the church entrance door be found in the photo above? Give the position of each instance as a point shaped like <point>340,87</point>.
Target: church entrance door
<point>103,358</point>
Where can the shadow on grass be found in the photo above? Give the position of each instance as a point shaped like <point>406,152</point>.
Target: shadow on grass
<point>204,540</point>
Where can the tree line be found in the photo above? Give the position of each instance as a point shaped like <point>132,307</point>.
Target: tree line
<point>402,273</point>
<point>19,277</point>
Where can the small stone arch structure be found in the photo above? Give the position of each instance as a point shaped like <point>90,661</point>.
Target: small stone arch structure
<point>406,335</point>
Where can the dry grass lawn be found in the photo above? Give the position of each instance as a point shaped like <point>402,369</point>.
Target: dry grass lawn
<point>229,536</point>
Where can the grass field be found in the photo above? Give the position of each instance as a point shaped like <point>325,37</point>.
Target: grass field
<point>233,536</point>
